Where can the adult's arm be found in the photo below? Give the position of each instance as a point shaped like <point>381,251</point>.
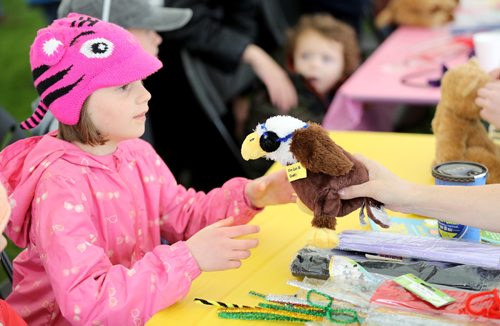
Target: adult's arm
<point>477,206</point>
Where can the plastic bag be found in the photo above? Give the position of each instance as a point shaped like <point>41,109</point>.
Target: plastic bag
<point>391,294</point>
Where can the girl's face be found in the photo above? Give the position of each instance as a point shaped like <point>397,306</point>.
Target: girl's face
<point>148,38</point>
<point>319,59</point>
<point>119,112</point>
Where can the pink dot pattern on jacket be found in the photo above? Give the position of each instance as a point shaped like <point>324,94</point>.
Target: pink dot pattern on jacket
<point>92,227</point>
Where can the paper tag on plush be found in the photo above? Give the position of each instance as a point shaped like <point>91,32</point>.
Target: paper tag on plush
<point>424,290</point>
<point>296,171</point>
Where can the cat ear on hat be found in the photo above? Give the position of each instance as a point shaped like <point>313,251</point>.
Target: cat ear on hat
<point>48,49</point>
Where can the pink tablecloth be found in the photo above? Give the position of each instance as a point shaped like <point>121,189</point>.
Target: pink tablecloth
<point>414,54</point>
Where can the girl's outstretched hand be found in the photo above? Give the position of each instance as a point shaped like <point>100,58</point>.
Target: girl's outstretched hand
<point>271,189</point>
<point>217,248</point>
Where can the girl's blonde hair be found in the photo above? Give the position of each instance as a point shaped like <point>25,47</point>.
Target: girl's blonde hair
<point>332,29</point>
<point>84,131</point>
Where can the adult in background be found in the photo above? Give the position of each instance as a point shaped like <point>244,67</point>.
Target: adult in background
<point>223,34</point>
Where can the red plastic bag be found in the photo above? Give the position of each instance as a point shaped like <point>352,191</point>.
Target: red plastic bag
<point>470,304</point>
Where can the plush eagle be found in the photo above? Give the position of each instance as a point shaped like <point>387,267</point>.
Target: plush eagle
<point>317,168</point>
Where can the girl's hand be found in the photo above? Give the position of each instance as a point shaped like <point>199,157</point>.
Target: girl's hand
<point>271,189</point>
<point>215,248</point>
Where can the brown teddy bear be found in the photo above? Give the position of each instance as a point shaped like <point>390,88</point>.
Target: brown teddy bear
<point>424,13</point>
<point>457,126</point>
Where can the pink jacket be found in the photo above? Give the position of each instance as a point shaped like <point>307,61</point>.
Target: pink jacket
<point>91,226</point>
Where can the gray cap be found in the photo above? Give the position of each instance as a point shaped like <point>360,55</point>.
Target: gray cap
<point>131,13</point>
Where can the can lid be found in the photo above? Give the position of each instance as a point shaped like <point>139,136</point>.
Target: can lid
<point>459,171</point>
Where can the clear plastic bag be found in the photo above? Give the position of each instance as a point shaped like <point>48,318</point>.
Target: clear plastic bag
<point>313,262</point>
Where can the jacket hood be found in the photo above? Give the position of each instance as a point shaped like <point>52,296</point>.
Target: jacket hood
<point>22,164</point>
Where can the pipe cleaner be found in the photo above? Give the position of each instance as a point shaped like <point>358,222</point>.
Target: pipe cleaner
<point>218,303</point>
<point>488,298</point>
<point>339,316</point>
<point>258,313</point>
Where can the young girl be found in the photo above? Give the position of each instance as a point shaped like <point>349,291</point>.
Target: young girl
<point>321,53</point>
<point>91,202</point>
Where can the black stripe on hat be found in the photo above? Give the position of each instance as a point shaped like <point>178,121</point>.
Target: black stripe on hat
<point>40,116</point>
<point>39,113</point>
<point>80,35</point>
<point>51,97</point>
<point>86,20</point>
<point>42,107</point>
<point>36,117</point>
<point>50,81</point>
<point>38,71</point>
<point>27,125</point>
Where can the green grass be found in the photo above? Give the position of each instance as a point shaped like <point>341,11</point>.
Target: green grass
<point>17,32</point>
<point>17,92</point>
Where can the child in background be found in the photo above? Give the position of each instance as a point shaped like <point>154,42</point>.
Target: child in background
<point>91,201</point>
<point>7,315</point>
<point>321,53</point>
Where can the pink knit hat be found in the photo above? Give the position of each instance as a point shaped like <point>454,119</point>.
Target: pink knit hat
<point>77,55</point>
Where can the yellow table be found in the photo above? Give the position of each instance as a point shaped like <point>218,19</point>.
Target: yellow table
<point>283,233</point>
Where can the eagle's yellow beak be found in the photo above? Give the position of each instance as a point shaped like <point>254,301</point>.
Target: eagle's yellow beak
<point>250,149</point>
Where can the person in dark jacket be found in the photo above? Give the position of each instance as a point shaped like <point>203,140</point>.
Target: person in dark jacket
<point>222,34</point>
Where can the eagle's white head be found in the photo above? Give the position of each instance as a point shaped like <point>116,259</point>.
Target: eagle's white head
<point>272,139</point>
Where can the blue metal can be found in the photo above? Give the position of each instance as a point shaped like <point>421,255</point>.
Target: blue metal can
<point>459,173</point>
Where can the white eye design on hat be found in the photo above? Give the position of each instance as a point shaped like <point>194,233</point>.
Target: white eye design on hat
<point>97,48</point>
